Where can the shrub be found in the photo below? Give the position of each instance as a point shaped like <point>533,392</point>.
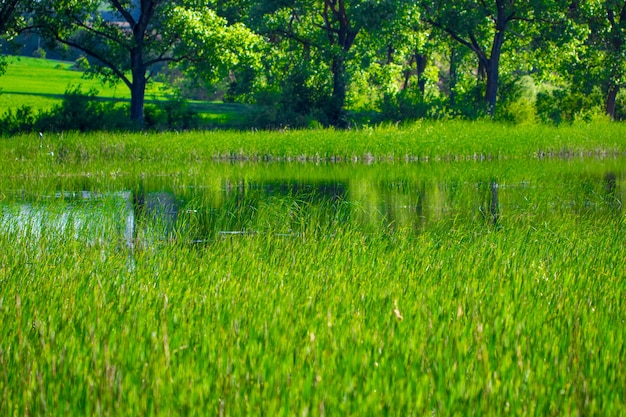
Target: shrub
<point>83,112</point>
<point>410,104</point>
<point>521,111</point>
<point>562,105</point>
<point>20,120</point>
<point>175,114</point>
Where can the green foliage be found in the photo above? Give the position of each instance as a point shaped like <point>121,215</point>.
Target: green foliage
<point>17,121</point>
<point>81,64</point>
<point>519,112</point>
<point>309,63</point>
<point>519,319</point>
<point>560,105</point>
<point>324,33</point>
<point>174,114</point>
<point>297,102</point>
<point>13,14</point>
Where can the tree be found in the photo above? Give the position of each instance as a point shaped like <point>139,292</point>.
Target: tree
<point>600,59</point>
<point>129,39</point>
<point>11,20</point>
<point>330,28</point>
<point>10,14</point>
<point>482,26</point>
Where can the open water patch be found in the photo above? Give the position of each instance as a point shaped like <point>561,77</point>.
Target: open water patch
<point>237,205</point>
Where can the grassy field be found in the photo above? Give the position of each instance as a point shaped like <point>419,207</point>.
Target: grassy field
<point>424,142</point>
<point>41,84</point>
<point>465,317</point>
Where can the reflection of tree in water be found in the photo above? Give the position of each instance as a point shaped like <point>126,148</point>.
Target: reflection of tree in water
<point>157,212</point>
<point>597,193</point>
<point>613,197</point>
<point>200,212</point>
<point>402,204</point>
<point>294,203</point>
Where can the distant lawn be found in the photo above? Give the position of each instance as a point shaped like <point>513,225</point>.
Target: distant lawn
<point>41,83</point>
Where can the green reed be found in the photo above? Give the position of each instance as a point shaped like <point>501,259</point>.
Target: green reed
<point>315,306</point>
<point>525,318</point>
<point>423,141</point>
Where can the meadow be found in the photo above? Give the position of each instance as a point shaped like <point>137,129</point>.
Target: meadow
<point>41,84</point>
<point>298,304</point>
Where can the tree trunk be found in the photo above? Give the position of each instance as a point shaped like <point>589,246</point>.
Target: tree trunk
<point>420,64</point>
<point>335,112</point>
<point>611,98</point>
<point>493,68</point>
<point>491,90</point>
<point>138,89</point>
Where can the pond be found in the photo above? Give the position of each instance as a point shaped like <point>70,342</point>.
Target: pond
<point>221,200</point>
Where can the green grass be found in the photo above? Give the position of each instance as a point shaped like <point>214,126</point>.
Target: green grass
<point>423,142</point>
<point>525,320</point>
<point>341,317</point>
<point>41,84</point>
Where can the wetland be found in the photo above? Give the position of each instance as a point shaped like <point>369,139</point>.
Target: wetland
<point>173,274</point>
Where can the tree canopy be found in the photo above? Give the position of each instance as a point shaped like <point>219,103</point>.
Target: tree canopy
<point>317,59</point>
<point>12,20</point>
<point>129,40</point>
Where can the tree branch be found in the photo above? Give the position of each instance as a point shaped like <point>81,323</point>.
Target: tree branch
<point>97,32</point>
<point>125,13</point>
<point>118,72</point>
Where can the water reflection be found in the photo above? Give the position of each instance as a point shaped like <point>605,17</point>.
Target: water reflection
<point>148,214</point>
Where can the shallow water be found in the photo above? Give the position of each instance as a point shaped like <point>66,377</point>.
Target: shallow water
<point>290,199</point>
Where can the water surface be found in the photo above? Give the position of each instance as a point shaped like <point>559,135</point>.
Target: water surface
<point>221,200</point>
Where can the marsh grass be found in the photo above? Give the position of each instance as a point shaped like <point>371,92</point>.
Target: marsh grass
<point>321,307</point>
<point>421,142</point>
<point>524,319</point>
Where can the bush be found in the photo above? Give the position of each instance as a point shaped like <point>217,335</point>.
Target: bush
<point>409,105</point>
<point>39,53</point>
<point>21,120</point>
<point>81,64</point>
<point>299,100</point>
<point>521,111</point>
<point>83,112</point>
<point>175,114</point>
<point>561,105</point>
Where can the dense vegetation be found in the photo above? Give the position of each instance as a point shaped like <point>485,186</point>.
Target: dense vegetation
<point>305,63</point>
<point>496,287</point>
<point>312,312</point>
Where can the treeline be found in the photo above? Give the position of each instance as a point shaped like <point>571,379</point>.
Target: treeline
<point>331,62</point>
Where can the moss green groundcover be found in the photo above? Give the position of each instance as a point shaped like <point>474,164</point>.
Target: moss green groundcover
<point>522,318</point>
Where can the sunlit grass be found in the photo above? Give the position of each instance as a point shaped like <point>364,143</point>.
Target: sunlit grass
<point>422,142</point>
<point>317,307</point>
<point>521,320</point>
<point>41,83</point>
